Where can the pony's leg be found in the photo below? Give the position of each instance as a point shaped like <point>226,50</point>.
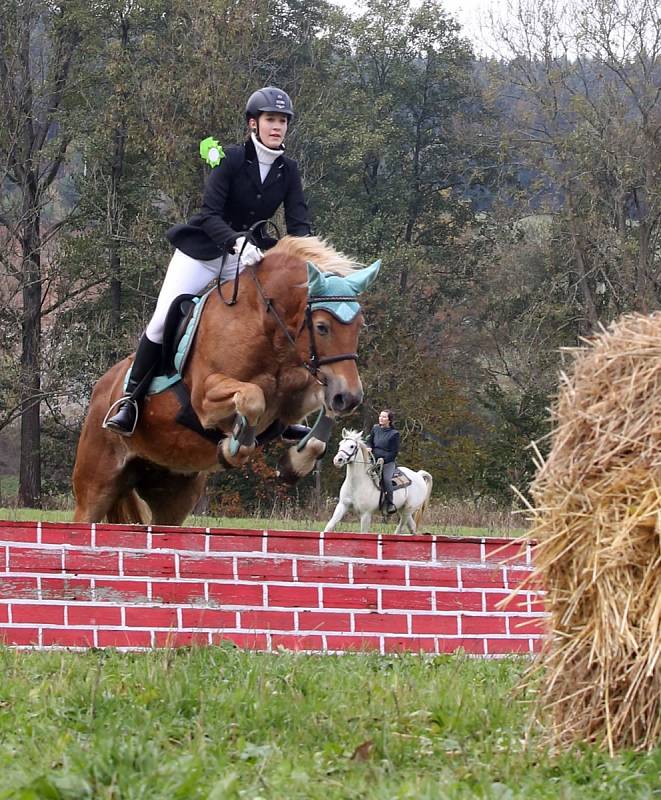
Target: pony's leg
<point>365,520</point>
<point>296,464</point>
<point>223,398</point>
<point>340,511</point>
<point>400,524</point>
<point>410,523</point>
<point>173,497</point>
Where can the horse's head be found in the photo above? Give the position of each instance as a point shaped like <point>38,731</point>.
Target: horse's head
<point>348,448</point>
<point>334,321</point>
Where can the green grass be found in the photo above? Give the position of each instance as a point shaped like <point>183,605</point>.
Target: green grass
<point>272,523</point>
<point>219,723</point>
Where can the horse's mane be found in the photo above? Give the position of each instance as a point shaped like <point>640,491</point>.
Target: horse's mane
<point>311,248</point>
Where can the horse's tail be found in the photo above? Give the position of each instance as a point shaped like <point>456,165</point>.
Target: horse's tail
<point>417,517</point>
<point>129,508</point>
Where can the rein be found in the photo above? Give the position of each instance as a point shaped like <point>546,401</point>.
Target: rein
<point>314,362</point>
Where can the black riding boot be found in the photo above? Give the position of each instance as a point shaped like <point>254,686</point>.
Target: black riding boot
<point>390,507</point>
<point>125,418</point>
<point>386,482</point>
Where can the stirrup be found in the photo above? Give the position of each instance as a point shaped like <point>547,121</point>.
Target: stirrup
<point>126,399</point>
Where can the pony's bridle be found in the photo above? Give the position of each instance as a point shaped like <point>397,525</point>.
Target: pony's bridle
<point>351,457</point>
<point>313,362</point>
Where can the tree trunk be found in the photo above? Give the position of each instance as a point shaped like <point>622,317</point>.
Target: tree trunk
<point>30,464</point>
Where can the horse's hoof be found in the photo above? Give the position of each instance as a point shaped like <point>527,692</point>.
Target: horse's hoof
<point>286,472</point>
<point>230,458</point>
<point>220,456</point>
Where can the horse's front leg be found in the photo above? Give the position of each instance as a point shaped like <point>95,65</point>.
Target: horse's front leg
<point>365,520</point>
<point>224,399</point>
<point>340,511</point>
<point>296,464</point>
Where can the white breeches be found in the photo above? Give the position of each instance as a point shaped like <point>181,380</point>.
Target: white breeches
<point>186,275</point>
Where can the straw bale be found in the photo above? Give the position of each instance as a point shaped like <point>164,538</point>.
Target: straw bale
<point>597,520</point>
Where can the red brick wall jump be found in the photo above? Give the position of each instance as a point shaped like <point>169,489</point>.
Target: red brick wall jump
<point>135,587</point>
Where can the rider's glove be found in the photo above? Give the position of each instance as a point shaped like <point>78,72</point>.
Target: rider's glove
<point>248,254</point>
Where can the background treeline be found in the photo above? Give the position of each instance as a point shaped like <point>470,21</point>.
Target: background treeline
<point>515,202</point>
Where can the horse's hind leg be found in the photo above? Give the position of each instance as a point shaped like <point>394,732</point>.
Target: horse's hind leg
<point>410,523</point>
<point>172,497</point>
<point>98,474</point>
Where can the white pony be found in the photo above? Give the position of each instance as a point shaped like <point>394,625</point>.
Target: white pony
<point>360,489</point>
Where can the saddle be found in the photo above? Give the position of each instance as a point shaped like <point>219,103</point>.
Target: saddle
<point>181,323</point>
<point>399,481</point>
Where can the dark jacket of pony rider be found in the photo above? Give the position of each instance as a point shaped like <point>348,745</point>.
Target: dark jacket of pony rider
<point>235,198</point>
<point>384,443</point>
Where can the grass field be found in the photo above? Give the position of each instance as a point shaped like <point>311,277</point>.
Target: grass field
<point>299,521</point>
<point>219,723</point>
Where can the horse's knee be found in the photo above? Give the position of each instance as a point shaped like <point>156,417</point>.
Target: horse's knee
<point>224,397</point>
<point>250,402</point>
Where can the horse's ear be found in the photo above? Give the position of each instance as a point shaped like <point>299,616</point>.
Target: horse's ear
<point>345,433</point>
<point>362,279</point>
<point>316,281</point>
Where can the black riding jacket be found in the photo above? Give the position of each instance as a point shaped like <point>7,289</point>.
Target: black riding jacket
<point>235,198</point>
<point>384,443</point>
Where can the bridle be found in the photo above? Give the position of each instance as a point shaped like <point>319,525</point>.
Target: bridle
<point>352,457</point>
<point>314,361</point>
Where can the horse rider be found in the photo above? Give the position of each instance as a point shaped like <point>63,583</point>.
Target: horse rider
<point>249,183</point>
<point>383,441</point>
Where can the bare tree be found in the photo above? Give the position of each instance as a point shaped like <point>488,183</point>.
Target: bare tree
<point>584,85</point>
<point>38,45</point>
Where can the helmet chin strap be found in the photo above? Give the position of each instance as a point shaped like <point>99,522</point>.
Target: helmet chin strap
<point>255,131</point>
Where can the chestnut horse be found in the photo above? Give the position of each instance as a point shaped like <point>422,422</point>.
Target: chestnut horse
<point>273,357</point>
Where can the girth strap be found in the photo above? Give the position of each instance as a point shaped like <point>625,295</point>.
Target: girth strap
<point>189,419</point>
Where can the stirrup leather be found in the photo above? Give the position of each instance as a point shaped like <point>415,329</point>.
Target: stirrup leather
<point>115,405</point>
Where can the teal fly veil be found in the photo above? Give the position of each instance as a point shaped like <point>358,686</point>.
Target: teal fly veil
<point>325,284</point>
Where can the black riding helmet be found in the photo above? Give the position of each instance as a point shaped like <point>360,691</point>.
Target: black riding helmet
<point>270,98</point>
